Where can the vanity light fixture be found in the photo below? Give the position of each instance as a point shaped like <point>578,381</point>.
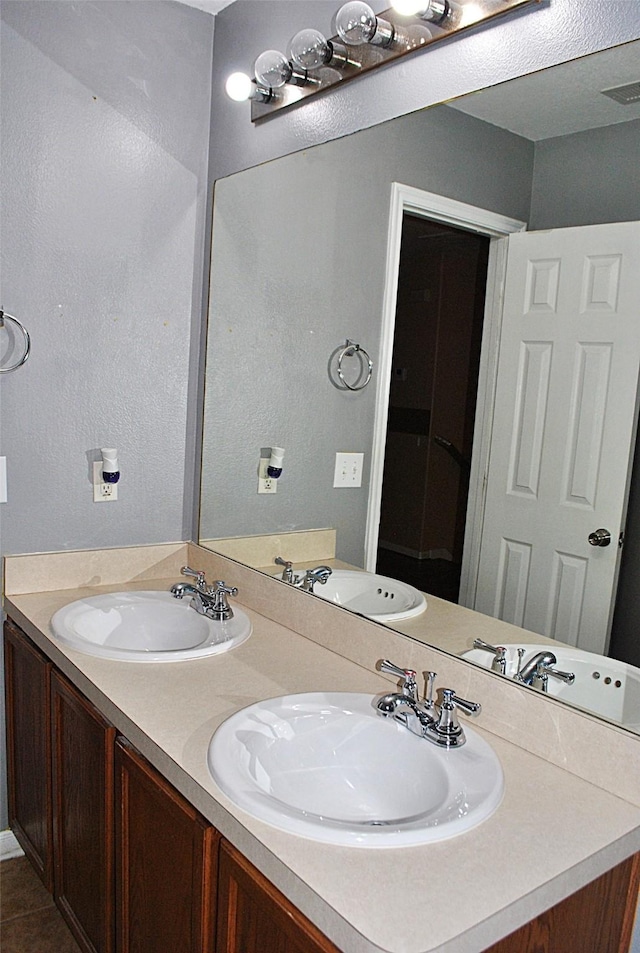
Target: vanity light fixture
<point>364,41</point>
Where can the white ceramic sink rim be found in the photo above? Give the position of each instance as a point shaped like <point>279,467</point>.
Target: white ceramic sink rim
<point>328,767</point>
<point>145,626</point>
<point>377,597</point>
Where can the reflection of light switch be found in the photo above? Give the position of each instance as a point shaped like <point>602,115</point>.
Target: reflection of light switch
<point>348,470</point>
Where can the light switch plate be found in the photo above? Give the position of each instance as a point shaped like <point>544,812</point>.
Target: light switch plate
<point>348,471</point>
<point>3,480</point>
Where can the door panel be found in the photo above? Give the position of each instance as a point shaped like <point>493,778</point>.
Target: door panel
<point>561,448</point>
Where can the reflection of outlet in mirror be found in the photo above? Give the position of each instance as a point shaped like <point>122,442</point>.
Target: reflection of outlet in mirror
<point>348,471</point>
<point>102,492</point>
<point>265,483</point>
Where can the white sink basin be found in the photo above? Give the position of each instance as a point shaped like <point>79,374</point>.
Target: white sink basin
<point>377,597</point>
<point>328,767</point>
<point>603,685</point>
<point>145,627</point>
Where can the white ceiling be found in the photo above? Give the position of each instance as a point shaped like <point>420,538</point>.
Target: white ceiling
<point>571,94</point>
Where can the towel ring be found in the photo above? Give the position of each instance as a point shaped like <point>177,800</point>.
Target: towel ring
<point>27,341</point>
<point>349,350</point>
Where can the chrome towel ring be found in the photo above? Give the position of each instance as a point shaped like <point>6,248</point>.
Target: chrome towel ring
<point>366,365</point>
<point>27,341</point>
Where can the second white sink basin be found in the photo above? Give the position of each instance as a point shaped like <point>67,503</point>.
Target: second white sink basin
<point>145,627</point>
<point>327,766</point>
<point>378,597</point>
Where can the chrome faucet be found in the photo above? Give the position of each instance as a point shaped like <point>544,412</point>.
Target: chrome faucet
<point>207,600</point>
<point>439,725</point>
<point>534,672</point>
<point>305,579</point>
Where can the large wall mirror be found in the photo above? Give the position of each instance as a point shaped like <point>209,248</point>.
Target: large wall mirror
<point>396,239</point>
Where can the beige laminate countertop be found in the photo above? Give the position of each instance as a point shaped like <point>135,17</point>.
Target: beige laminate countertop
<point>553,832</point>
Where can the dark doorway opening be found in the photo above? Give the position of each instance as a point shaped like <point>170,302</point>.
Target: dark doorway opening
<point>432,401</point>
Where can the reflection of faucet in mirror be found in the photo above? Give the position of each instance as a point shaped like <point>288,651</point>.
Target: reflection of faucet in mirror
<point>307,578</point>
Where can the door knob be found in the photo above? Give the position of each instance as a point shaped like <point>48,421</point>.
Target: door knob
<point>600,537</point>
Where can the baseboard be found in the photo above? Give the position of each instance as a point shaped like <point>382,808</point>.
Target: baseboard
<point>9,846</point>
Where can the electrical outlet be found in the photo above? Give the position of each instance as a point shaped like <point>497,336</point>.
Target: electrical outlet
<point>266,484</point>
<point>348,471</point>
<point>102,492</point>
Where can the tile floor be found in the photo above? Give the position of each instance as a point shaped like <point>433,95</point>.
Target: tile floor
<point>29,921</point>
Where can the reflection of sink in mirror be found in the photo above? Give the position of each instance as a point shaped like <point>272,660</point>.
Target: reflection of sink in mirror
<point>145,627</point>
<point>377,597</point>
<point>603,685</point>
<point>327,766</point>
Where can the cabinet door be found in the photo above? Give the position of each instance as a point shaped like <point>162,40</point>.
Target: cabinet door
<point>254,917</point>
<point>29,749</point>
<point>83,816</point>
<point>166,864</point>
<point>597,919</point>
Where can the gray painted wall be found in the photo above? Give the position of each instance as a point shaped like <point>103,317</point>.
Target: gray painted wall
<point>105,128</point>
<point>587,178</point>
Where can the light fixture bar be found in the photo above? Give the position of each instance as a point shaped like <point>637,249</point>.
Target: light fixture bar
<point>412,35</point>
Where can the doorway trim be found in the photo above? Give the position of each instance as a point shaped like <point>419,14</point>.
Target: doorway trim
<point>407,199</point>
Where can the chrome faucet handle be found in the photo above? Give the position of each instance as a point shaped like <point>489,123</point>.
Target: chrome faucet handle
<point>194,574</point>
<point>540,680</point>
<point>221,610</point>
<point>518,672</point>
<point>499,663</point>
<point>287,573</point>
<point>431,678</point>
<point>447,731</point>
<point>407,675</point>
<point>469,708</point>
<point>568,677</point>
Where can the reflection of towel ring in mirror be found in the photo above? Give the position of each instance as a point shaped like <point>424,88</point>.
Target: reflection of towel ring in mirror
<point>27,341</point>
<point>349,350</point>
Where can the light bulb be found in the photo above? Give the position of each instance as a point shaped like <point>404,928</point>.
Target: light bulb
<point>356,24</point>
<point>309,49</point>
<point>239,87</point>
<point>272,69</point>
<point>434,11</point>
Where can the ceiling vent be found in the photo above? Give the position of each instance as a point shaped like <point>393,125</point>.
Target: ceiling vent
<point>624,94</point>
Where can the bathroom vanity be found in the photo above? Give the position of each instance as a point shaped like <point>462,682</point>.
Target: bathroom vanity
<point>111,798</point>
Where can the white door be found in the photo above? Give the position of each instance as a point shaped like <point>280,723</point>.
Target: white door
<point>561,447</point>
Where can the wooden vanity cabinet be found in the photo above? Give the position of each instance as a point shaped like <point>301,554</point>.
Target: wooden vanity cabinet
<point>27,685</point>
<point>83,751</point>
<point>136,869</point>
<point>254,917</point>
<point>166,863</point>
